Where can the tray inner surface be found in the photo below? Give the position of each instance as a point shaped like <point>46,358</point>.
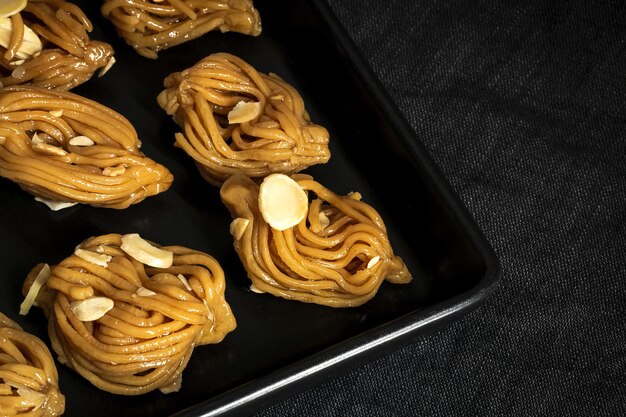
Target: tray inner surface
<point>367,156</point>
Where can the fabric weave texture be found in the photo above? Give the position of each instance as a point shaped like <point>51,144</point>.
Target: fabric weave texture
<point>522,105</point>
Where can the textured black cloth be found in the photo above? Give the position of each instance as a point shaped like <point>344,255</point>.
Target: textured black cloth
<point>522,106</point>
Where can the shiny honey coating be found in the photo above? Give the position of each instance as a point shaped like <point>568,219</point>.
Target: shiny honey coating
<point>338,255</point>
<point>29,383</point>
<point>62,147</point>
<point>150,26</point>
<point>48,45</point>
<point>144,339</point>
<point>237,120</point>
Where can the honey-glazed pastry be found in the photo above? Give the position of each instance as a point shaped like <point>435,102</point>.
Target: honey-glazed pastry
<point>29,383</point>
<point>150,26</point>
<point>300,241</point>
<point>67,149</point>
<point>126,313</point>
<point>46,43</point>
<point>235,119</point>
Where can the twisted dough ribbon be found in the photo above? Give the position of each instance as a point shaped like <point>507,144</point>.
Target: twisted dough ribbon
<point>40,152</point>
<point>338,256</point>
<point>69,57</point>
<point>29,383</point>
<point>281,138</point>
<point>150,26</point>
<point>145,341</point>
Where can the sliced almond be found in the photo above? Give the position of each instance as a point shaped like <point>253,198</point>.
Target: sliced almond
<point>92,308</point>
<point>282,201</point>
<point>255,289</point>
<point>18,62</point>
<point>238,227</point>
<point>36,139</point>
<point>182,279</point>
<point>56,113</point>
<point>31,44</point>
<point>324,220</point>
<point>93,257</point>
<point>2,138</point>
<point>114,171</point>
<point>11,7</point>
<point>81,141</point>
<point>107,67</point>
<point>244,111</point>
<point>31,396</point>
<point>31,295</point>
<point>145,253</point>
<point>373,261</point>
<point>144,292</point>
<point>55,205</point>
<point>355,195</point>
<point>18,72</point>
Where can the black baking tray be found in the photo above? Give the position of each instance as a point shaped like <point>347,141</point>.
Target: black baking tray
<point>279,346</point>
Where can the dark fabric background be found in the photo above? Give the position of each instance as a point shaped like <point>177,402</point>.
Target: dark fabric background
<point>522,105</point>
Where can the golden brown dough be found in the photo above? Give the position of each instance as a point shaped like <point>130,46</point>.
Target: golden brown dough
<point>337,256</point>
<point>158,315</point>
<point>273,134</point>
<point>68,56</point>
<point>29,383</point>
<point>150,26</point>
<point>63,147</point>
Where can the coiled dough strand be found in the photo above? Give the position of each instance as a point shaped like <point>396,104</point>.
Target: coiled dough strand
<point>281,138</point>
<point>29,383</point>
<point>341,264</point>
<point>36,151</point>
<point>145,342</point>
<point>150,26</point>
<point>68,58</point>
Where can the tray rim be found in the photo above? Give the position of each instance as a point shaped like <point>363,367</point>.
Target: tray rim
<point>251,395</point>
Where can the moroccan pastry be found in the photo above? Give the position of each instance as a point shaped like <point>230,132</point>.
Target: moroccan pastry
<point>66,149</point>
<point>237,120</point>
<point>300,241</point>
<point>150,26</point>
<point>126,313</point>
<point>47,44</point>
<point>29,383</point>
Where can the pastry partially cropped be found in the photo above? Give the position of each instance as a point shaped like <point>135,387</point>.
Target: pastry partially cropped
<point>66,149</point>
<point>150,26</point>
<point>47,44</point>
<point>300,241</point>
<point>126,313</point>
<point>29,383</point>
<point>236,120</point>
